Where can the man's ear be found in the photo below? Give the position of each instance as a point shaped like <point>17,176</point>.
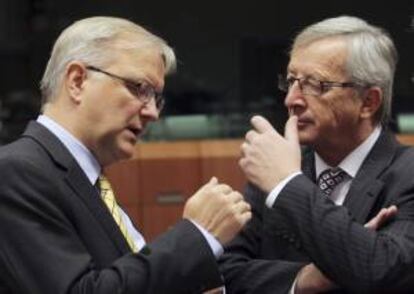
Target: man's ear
<point>371,102</point>
<point>75,77</point>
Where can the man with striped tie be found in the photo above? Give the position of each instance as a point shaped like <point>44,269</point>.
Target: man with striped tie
<point>308,232</point>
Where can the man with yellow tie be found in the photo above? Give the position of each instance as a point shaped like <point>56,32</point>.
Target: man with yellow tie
<point>61,228</point>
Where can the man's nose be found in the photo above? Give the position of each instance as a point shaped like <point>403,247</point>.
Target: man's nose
<point>294,96</point>
<point>150,110</point>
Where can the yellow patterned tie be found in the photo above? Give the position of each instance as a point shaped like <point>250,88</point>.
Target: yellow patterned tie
<point>108,197</point>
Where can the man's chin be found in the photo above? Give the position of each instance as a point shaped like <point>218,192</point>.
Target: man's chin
<point>306,137</point>
<point>126,151</point>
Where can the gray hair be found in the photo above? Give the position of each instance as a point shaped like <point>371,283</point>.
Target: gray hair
<point>92,41</point>
<point>372,57</point>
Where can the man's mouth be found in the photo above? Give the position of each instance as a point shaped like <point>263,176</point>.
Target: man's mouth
<point>303,122</point>
<point>135,131</point>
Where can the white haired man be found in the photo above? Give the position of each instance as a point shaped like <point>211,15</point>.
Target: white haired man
<point>307,234</point>
<point>101,88</point>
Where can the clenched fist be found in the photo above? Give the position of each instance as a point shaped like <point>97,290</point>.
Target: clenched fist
<point>218,209</point>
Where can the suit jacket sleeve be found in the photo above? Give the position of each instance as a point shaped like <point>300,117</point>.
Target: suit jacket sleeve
<point>247,266</point>
<point>356,258</point>
<point>41,250</point>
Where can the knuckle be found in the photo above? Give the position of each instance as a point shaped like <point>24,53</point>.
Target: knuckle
<point>226,187</point>
<point>235,197</point>
<point>238,195</point>
<point>242,163</point>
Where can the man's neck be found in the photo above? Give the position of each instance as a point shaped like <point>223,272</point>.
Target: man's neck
<point>334,152</point>
<point>62,115</point>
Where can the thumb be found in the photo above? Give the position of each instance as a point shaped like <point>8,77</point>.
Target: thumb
<point>260,124</point>
<point>291,129</point>
<point>213,181</point>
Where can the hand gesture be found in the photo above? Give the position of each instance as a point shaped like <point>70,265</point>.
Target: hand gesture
<point>267,157</point>
<point>219,209</point>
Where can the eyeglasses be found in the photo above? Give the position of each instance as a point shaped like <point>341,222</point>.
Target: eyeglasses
<point>311,86</point>
<point>142,90</point>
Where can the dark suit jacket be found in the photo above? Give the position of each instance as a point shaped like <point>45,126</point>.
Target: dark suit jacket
<point>57,236</point>
<point>305,226</point>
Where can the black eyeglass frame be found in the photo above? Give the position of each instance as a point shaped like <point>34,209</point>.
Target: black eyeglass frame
<point>144,94</point>
<point>285,84</point>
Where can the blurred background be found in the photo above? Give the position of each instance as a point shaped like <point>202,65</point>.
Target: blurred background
<point>229,52</point>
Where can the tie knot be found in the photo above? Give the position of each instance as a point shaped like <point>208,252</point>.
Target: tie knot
<point>105,189</point>
<point>103,182</point>
<point>329,179</point>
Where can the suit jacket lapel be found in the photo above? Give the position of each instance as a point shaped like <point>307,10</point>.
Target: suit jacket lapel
<point>80,184</point>
<point>366,186</point>
<point>77,182</point>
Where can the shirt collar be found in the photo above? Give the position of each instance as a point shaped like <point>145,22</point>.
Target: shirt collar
<point>82,155</point>
<point>353,161</point>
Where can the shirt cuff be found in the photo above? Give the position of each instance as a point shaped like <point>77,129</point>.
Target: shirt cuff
<point>211,240</point>
<point>292,289</point>
<point>271,198</point>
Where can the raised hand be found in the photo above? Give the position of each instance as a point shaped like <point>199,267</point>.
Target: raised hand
<point>219,209</point>
<point>267,157</point>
